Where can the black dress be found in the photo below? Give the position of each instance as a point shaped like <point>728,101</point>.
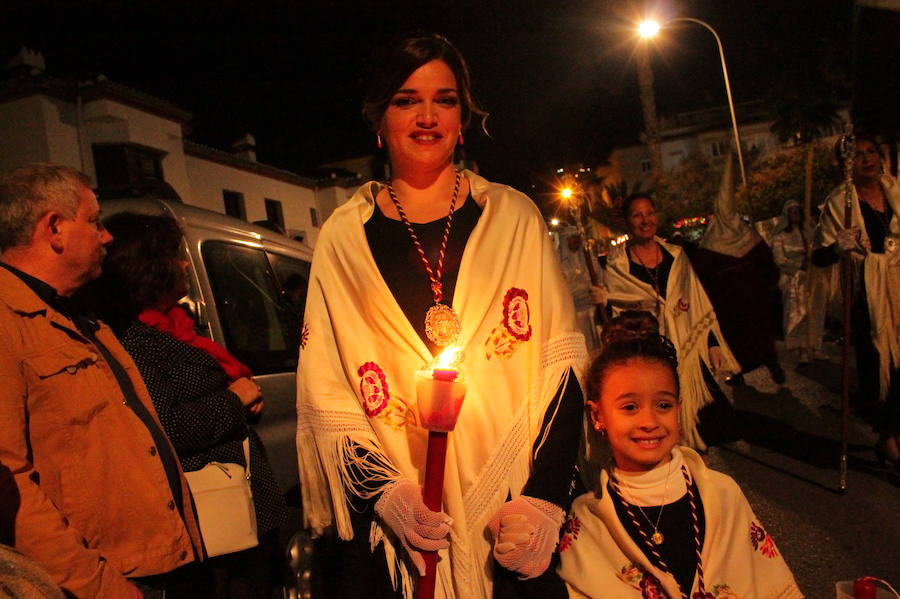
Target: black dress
<point>207,423</point>
<point>355,570</point>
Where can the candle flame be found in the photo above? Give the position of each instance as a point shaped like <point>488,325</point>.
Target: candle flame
<point>449,358</point>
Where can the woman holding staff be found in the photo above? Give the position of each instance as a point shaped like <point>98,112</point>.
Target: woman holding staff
<point>872,240</point>
<point>436,258</point>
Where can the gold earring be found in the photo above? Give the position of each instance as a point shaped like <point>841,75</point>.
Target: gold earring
<point>461,140</point>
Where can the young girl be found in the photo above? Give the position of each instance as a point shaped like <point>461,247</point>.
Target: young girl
<point>662,524</point>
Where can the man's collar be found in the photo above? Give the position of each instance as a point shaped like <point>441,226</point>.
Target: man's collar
<point>43,290</point>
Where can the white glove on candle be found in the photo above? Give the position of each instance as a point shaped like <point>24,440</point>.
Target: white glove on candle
<point>526,531</point>
<point>402,509</point>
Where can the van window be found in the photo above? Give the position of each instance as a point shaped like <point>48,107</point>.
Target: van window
<point>293,277</point>
<point>260,328</point>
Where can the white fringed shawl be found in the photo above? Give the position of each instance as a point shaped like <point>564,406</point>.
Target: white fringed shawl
<point>880,271</point>
<point>354,328</point>
<point>687,318</point>
<point>737,563</point>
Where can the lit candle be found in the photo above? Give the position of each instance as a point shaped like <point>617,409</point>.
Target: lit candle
<point>440,390</point>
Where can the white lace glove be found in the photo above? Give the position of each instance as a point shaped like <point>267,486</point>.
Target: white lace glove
<point>847,238</point>
<point>402,509</point>
<point>599,295</point>
<point>526,531</point>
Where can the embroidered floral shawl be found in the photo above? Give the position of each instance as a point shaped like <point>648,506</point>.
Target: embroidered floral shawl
<point>356,374</point>
<point>599,559</point>
<point>686,318</point>
<point>881,271</point>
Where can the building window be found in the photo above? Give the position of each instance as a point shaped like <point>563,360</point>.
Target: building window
<point>234,204</point>
<point>128,170</point>
<point>646,165</point>
<point>314,217</point>
<point>274,212</point>
<point>719,148</point>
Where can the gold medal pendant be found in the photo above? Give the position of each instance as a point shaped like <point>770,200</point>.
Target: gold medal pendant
<point>441,325</point>
<point>657,538</point>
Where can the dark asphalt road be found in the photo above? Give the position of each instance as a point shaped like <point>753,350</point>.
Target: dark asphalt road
<point>787,465</point>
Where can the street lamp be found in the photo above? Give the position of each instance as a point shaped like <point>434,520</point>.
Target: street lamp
<point>650,28</point>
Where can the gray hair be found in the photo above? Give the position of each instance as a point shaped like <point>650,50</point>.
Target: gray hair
<point>29,192</point>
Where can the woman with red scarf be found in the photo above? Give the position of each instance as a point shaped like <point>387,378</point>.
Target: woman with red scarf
<point>204,395</point>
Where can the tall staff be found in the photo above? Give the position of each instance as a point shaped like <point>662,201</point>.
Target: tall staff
<point>600,316</point>
<point>848,152</point>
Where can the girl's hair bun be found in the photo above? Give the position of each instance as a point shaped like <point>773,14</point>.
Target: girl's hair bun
<point>631,334</point>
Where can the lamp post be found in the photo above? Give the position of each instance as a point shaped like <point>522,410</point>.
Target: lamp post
<point>648,29</point>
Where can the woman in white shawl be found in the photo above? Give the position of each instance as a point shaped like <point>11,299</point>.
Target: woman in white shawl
<point>433,258</point>
<point>649,274</point>
<point>791,249</point>
<point>872,240</point>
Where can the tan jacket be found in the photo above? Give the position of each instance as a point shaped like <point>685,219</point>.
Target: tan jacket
<point>95,505</point>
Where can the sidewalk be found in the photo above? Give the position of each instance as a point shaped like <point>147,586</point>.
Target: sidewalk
<point>787,465</point>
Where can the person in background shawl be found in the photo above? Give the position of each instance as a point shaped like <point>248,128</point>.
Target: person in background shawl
<point>872,240</point>
<point>650,274</point>
<point>435,238</point>
<point>791,247</point>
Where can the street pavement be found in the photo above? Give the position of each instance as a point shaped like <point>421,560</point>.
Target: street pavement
<point>787,465</point>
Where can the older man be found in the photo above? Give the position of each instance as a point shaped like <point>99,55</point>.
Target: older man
<point>103,503</point>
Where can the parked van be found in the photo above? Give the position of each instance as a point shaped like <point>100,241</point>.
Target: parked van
<point>248,293</point>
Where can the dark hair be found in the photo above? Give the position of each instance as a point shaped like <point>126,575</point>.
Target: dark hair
<point>626,204</point>
<point>631,334</point>
<point>394,64</point>
<point>140,268</point>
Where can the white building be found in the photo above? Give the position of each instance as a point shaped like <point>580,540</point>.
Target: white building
<point>707,133</point>
<point>132,144</point>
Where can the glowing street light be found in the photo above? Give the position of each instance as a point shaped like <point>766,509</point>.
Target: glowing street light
<point>566,193</point>
<point>650,28</point>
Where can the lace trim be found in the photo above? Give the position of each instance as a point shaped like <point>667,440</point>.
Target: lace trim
<point>702,327</point>
<point>493,473</point>
<point>312,420</point>
<point>566,349</point>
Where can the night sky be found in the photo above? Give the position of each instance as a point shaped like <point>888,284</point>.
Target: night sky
<point>558,77</point>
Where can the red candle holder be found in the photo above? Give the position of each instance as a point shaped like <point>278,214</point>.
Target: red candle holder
<point>440,393</point>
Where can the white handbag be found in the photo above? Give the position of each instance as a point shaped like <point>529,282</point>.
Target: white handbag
<point>224,505</point>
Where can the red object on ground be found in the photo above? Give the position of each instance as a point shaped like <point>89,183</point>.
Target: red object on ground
<point>864,588</point>
<point>432,493</point>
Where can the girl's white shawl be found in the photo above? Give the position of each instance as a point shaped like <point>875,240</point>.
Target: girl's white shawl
<point>881,271</point>
<point>686,318</point>
<point>599,559</point>
<point>353,325</point>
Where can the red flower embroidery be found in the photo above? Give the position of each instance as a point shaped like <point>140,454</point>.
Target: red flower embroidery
<point>517,314</point>
<point>762,541</point>
<point>374,388</point>
<point>757,535</point>
<point>650,587</point>
<point>570,532</point>
<point>304,336</point>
